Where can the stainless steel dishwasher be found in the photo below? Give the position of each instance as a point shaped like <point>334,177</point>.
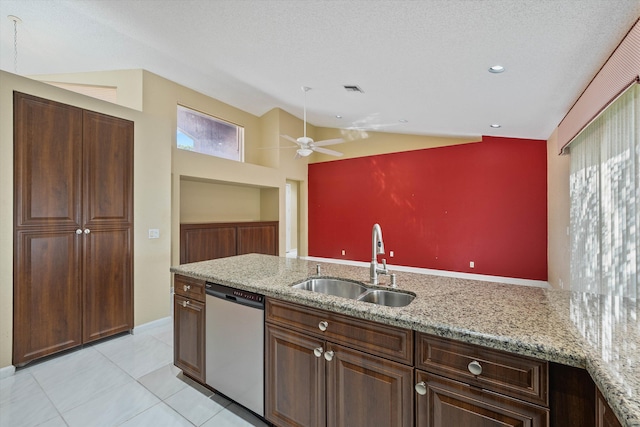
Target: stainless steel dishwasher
<point>235,345</point>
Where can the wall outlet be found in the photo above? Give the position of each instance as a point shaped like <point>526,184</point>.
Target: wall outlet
<point>344,252</point>
<point>390,254</point>
<point>154,233</point>
<point>472,264</point>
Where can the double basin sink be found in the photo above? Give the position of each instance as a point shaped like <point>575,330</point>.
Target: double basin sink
<point>356,291</point>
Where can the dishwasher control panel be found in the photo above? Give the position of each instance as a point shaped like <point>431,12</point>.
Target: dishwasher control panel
<point>238,296</point>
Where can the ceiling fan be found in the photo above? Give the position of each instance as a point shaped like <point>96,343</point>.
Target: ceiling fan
<point>306,145</point>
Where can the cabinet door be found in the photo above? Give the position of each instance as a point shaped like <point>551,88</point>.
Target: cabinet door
<point>188,336</point>
<point>365,390</point>
<point>47,299</point>
<point>449,403</point>
<point>108,170</point>
<point>108,290</point>
<point>294,379</point>
<point>47,163</point>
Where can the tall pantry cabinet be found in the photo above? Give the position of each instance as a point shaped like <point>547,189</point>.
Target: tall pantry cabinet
<point>73,227</point>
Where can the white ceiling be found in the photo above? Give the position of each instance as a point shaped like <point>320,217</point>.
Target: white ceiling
<point>422,61</point>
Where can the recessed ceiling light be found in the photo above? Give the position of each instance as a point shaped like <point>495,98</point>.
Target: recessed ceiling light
<point>338,116</point>
<point>496,69</point>
<point>403,121</point>
<point>495,125</point>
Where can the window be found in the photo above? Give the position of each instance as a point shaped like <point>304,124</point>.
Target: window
<point>605,201</point>
<point>206,134</point>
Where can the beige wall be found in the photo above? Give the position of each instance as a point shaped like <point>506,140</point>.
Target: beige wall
<point>152,202</point>
<point>201,202</point>
<point>128,83</point>
<point>558,202</point>
<point>256,185</point>
<point>292,237</point>
<point>381,143</point>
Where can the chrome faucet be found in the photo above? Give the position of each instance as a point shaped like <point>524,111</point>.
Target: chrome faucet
<point>377,247</point>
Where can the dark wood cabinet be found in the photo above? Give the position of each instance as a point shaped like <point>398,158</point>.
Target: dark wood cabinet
<point>316,375</point>
<point>367,390</point>
<point>189,326</point>
<point>447,403</point>
<point>201,242</point>
<point>73,219</point>
<point>517,376</point>
<point>604,415</point>
<point>468,385</point>
<point>294,379</point>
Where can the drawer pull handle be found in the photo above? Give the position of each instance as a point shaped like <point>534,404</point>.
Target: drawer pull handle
<point>318,351</point>
<point>323,325</point>
<point>328,355</point>
<point>421,388</point>
<point>475,368</point>
<point>186,287</point>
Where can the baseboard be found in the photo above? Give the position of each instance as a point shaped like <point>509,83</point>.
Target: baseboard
<point>443,273</point>
<point>7,371</point>
<point>150,325</point>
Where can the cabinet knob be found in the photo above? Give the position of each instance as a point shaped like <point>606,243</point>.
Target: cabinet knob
<point>79,231</point>
<point>185,303</point>
<point>421,388</point>
<point>475,368</point>
<point>323,325</point>
<point>318,351</point>
<point>328,355</point>
<point>87,231</point>
<point>186,287</point>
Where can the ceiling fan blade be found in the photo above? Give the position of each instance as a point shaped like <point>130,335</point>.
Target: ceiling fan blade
<point>297,156</point>
<point>288,138</point>
<point>328,142</point>
<point>326,151</point>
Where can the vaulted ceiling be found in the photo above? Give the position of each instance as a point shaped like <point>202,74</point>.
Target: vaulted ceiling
<point>422,65</point>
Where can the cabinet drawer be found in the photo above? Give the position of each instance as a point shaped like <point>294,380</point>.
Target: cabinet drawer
<point>513,375</point>
<point>372,337</point>
<point>189,287</point>
<point>444,403</point>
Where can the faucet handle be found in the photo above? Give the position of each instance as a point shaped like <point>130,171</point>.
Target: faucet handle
<point>384,263</point>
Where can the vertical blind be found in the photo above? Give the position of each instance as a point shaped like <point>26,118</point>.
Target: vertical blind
<point>605,201</point>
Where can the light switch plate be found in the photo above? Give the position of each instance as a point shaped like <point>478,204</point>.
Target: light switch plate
<point>154,233</point>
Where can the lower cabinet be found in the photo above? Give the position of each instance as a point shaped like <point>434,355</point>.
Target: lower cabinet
<point>316,382</point>
<point>189,327</point>
<point>294,379</point>
<point>460,384</point>
<point>444,403</point>
<point>604,415</point>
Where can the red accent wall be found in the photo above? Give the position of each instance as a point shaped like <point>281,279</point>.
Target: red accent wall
<point>439,208</point>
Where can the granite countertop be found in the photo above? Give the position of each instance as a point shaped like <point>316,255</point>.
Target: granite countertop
<point>597,332</point>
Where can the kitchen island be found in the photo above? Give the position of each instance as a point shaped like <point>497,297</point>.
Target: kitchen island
<point>595,332</point>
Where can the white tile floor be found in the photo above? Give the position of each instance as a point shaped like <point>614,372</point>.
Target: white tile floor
<point>125,381</point>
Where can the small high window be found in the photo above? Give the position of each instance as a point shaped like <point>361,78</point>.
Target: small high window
<point>206,134</point>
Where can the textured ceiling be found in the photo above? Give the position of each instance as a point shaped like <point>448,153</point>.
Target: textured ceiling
<point>422,61</point>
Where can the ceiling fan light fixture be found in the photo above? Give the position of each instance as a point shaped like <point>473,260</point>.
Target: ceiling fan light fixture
<point>305,152</point>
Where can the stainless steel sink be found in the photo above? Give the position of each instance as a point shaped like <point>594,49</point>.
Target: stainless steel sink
<point>387,298</point>
<point>357,291</point>
<point>336,287</point>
